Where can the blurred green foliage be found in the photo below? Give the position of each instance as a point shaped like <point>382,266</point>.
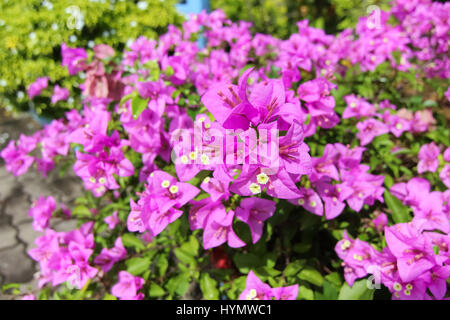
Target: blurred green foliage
<point>32,32</point>
<point>349,11</point>
<point>279,17</point>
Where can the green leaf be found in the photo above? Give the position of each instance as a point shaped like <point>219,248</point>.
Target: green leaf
<point>131,241</point>
<point>400,213</point>
<point>137,266</point>
<point>178,284</point>
<point>311,275</point>
<point>359,291</point>
<point>305,293</point>
<point>302,247</point>
<point>82,212</point>
<point>294,267</point>
<point>436,250</point>
<point>156,291</point>
<point>191,246</point>
<point>109,297</point>
<point>184,256</point>
<point>209,287</point>
<point>10,286</point>
<point>162,264</point>
<point>127,97</point>
<point>169,71</point>
<point>267,271</point>
<point>247,66</point>
<point>154,74</point>
<point>329,292</point>
<point>138,105</point>
<point>246,261</point>
<point>335,279</point>
<point>388,180</point>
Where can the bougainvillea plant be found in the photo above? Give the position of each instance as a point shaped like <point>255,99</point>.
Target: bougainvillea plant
<point>315,167</point>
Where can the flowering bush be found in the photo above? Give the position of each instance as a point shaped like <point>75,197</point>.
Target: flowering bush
<point>315,167</point>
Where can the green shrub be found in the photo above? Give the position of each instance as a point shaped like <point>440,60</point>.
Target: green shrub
<point>279,17</point>
<point>32,32</point>
<point>349,11</point>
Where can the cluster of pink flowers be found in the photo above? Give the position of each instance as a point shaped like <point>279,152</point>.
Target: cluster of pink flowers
<point>67,256</point>
<point>429,161</point>
<point>338,177</point>
<point>385,118</point>
<point>41,211</point>
<point>49,143</point>
<point>64,256</point>
<point>40,84</point>
<point>252,154</point>
<point>417,256</point>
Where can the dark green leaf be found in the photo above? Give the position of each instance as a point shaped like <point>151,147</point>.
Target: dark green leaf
<point>209,287</point>
<point>359,291</point>
<point>400,213</point>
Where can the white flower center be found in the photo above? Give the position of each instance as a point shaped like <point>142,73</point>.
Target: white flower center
<point>165,184</point>
<point>184,159</point>
<point>255,188</point>
<point>173,189</point>
<point>262,178</point>
<point>205,159</point>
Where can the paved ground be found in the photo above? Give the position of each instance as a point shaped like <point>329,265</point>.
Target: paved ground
<point>16,195</point>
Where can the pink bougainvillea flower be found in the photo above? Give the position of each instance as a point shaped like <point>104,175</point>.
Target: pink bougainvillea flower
<point>410,249</point>
<point>108,257</point>
<point>255,289</point>
<point>229,105</point>
<point>216,189</point>
<point>219,229</point>
<point>17,161</point>
<point>112,221</point>
<point>73,58</point>
<point>413,192</point>
<point>127,287</point>
<point>332,197</point>
<point>369,129</point>
<point>168,192</point>
<point>324,167</point>
<point>380,221</point>
<point>285,293</point>
<point>348,157</point>
<point>357,257</point>
<point>201,210</point>
<point>277,183</point>
<point>310,200</point>
<point>447,154</point>
<point>293,151</point>
<point>429,213</point>
<point>428,158</point>
<point>360,187</point>
<point>357,107</point>
<point>135,221</point>
<point>59,94</point>
<point>254,211</point>
<point>445,175</point>
<point>36,87</point>
<point>41,211</point>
